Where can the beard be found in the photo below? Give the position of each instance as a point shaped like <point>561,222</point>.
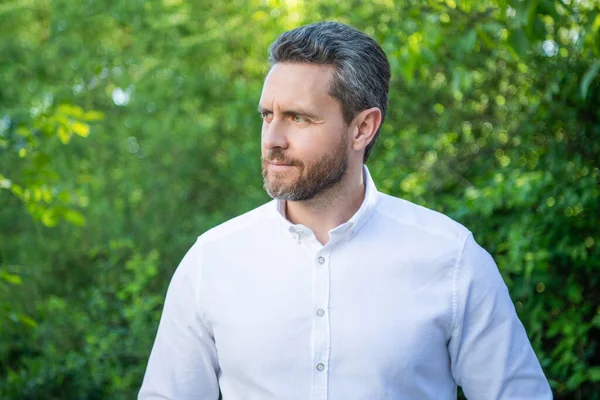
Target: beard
<point>313,179</point>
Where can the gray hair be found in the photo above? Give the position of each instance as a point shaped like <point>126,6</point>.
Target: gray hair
<point>362,71</point>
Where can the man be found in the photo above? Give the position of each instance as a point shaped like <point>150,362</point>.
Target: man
<point>334,290</point>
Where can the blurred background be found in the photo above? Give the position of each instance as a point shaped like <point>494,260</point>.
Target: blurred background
<point>128,128</point>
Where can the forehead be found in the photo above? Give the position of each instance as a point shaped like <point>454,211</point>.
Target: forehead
<point>305,85</point>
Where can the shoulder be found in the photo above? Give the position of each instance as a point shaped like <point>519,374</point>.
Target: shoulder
<point>410,216</point>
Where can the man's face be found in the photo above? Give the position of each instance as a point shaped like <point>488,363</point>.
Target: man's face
<point>304,137</point>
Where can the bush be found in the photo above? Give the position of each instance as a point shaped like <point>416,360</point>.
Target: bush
<point>493,119</point>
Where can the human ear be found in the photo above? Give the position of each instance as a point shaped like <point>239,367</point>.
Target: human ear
<point>367,123</point>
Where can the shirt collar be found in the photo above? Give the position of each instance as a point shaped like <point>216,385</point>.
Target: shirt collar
<point>349,228</point>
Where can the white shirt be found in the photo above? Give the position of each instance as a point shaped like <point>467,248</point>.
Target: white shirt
<point>401,303</point>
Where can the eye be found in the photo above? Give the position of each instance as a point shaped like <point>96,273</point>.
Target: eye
<point>266,115</point>
<point>298,119</point>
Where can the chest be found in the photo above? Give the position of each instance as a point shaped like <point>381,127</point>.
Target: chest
<point>389,314</point>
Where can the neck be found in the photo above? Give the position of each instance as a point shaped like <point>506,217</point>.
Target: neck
<point>330,209</point>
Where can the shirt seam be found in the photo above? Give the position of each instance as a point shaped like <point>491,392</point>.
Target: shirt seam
<point>198,291</point>
<point>421,227</point>
<point>455,282</point>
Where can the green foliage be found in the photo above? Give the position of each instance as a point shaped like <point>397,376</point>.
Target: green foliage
<point>39,187</point>
<point>493,119</point>
<point>86,348</point>
<point>40,190</point>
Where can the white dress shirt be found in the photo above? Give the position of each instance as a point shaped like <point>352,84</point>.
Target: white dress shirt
<point>401,303</point>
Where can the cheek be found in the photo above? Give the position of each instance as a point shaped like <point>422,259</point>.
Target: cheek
<point>309,149</point>
<point>316,145</point>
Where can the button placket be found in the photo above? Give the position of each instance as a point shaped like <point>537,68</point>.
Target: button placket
<point>321,328</point>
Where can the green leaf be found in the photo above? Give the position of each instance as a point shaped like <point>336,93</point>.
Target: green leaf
<point>518,42</point>
<point>63,135</point>
<point>588,77</point>
<point>50,218</point>
<point>71,110</point>
<point>93,115</point>
<point>592,26</point>
<point>80,128</point>
<point>17,191</point>
<point>46,194</point>
<point>74,217</point>
<point>27,320</point>
<point>532,10</point>
<point>10,278</point>
<point>548,7</point>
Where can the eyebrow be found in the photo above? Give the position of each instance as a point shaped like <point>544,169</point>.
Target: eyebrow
<point>290,112</point>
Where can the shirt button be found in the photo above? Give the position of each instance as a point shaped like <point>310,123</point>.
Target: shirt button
<point>320,367</point>
<point>321,260</point>
<point>320,312</point>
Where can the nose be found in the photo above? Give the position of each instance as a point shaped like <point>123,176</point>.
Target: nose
<point>274,135</point>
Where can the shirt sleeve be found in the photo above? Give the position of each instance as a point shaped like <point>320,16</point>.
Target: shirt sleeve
<point>491,357</point>
<point>183,362</point>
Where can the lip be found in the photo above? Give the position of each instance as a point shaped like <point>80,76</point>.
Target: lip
<point>279,167</point>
